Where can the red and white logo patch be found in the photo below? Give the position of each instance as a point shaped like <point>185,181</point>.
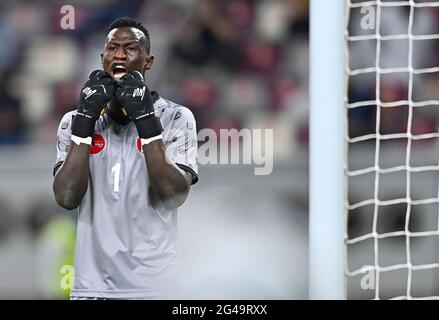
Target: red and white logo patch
<point>139,145</point>
<point>98,144</point>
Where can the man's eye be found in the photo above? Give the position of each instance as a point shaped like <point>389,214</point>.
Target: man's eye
<point>111,48</point>
<point>132,48</point>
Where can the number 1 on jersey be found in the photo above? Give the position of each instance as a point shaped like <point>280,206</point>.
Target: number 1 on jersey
<point>116,170</point>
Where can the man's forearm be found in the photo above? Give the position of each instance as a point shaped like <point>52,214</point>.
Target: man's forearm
<point>71,180</point>
<point>166,179</point>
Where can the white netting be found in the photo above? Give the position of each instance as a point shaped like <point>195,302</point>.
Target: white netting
<point>392,107</point>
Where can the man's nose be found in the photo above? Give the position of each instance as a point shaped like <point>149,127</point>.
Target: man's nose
<point>120,54</point>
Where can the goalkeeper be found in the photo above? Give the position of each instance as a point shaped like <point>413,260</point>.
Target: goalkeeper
<point>126,158</point>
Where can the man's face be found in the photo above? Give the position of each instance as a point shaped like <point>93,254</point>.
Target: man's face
<point>125,51</point>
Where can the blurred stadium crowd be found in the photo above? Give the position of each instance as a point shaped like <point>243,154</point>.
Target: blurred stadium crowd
<point>235,63</point>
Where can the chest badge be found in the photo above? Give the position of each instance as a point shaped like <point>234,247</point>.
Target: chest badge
<point>98,144</point>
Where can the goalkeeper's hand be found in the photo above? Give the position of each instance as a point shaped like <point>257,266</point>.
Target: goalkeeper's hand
<point>135,97</point>
<point>95,94</point>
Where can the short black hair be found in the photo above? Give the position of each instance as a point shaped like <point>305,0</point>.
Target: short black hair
<point>131,23</point>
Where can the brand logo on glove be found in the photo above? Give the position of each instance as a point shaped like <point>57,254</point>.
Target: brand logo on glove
<point>139,92</point>
<point>88,92</point>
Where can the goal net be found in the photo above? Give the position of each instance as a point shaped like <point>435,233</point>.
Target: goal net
<point>392,150</point>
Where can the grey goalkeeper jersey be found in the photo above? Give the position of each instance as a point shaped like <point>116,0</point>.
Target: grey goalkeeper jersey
<point>126,243</point>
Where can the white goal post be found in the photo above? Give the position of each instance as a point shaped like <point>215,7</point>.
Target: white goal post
<point>326,158</point>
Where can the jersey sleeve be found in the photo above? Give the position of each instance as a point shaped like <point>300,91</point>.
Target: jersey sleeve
<point>63,140</point>
<point>181,142</point>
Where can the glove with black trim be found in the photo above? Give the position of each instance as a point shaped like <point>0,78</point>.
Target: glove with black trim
<point>135,97</point>
<point>97,91</point>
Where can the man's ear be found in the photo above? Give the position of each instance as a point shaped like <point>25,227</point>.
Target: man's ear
<point>148,62</point>
<point>102,60</point>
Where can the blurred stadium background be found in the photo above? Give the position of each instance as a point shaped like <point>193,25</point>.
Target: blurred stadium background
<point>235,64</point>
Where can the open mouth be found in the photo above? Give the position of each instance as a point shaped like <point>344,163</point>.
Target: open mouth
<point>118,71</point>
